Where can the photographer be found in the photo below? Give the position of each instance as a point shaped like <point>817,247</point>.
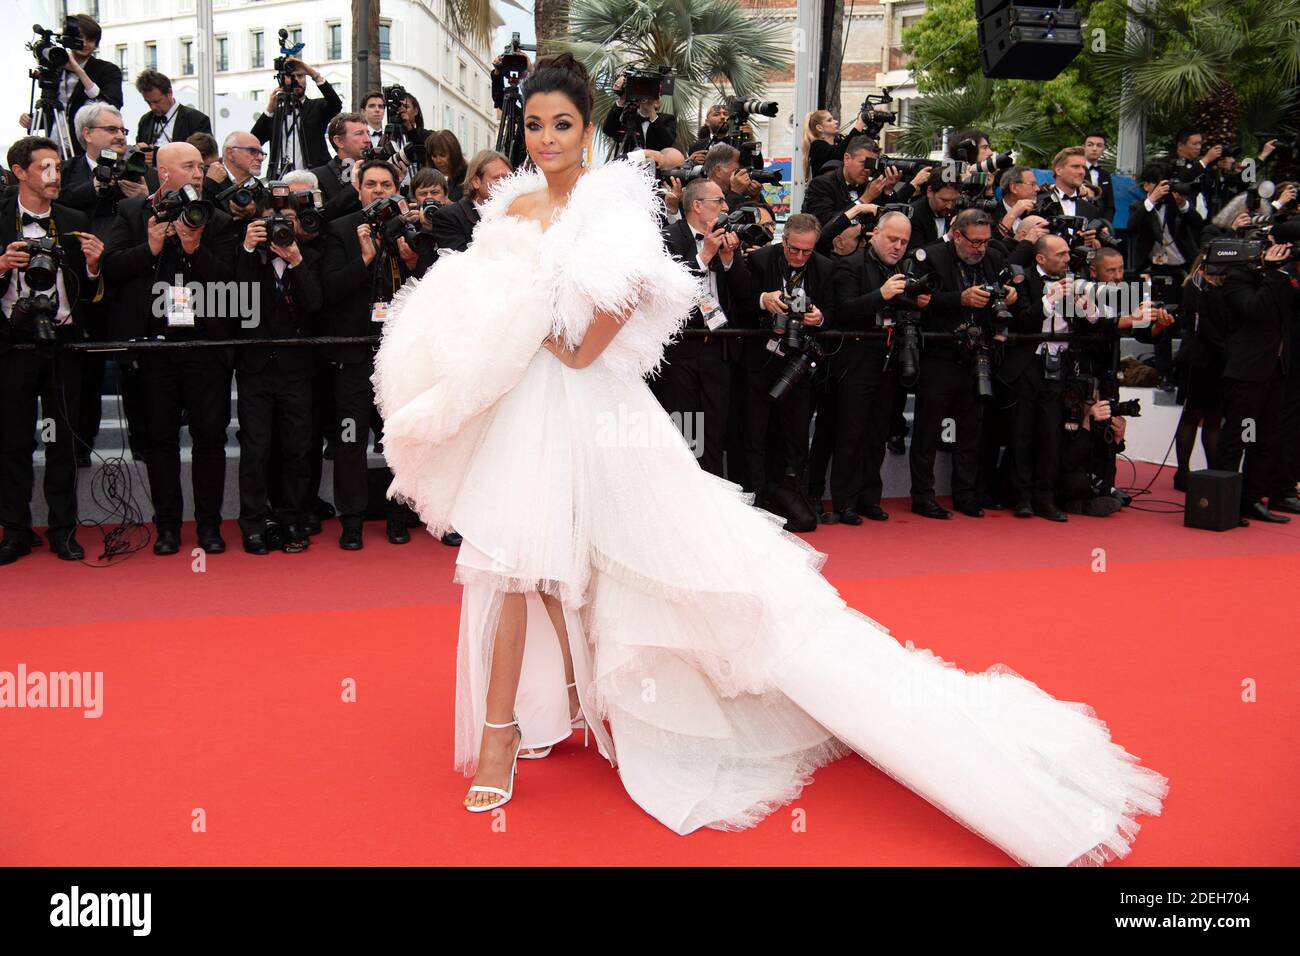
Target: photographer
<point>1086,467</point>
<point>167,120</point>
<point>242,157</point>
<point>713,132</point>
<point>1195,169</point>
<point>775,272</point>
<point>362,272</point>
<point>841,199</point>
<point>1095,179</point>
<point>1064,196</point>
<point>654,131</point>
<point>1260,304</point>
<point>696,379</point>
<point>1019,200</point>
<point>350,136</point>
<point>963,270</point>
<point>302,126</point>
<point>274,385</point>
<point>721,166</point>
<point>823,142</point>
<point>932,213</point>
<point>869,290</point>
<point>452,226</point>
<point>99,127</point>
<point>1200,354</point>
<point>85,77</point>
<point>153,260</point>
<point>44,308</point>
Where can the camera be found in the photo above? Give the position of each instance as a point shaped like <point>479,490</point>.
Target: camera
<point>42,270</point>
<point>183,205</point>
<point>906,165</point>
<point>738,113</point>
<point>644,86</point>
<point>967,152</point>
<point>904,316</point>
<point>682,173</point>
<point>874,120</point>
<point>797,341</point>
<point>427,210</point>
<point>1078,392</point>
<point>249,191</point>
<point>387,217</point>
<point>744,223</point>
<point>514,65</point>
<point>34,313</point>
<point>111,168</point>
<point>283,68</point>
<point>311,217</point>
<point>279,228</point>
<point>54,50</point>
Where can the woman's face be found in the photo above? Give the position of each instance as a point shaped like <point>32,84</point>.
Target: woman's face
<point>554,133</point>
<point>441,162</point>
<point>830,126</point>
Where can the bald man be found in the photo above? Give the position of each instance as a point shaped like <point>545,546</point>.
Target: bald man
<point>148,258</point>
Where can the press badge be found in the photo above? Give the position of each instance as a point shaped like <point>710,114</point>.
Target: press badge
<point>774,346</point>
<point>180,307</point>
<point>379,312</point>
<point>713,315</point>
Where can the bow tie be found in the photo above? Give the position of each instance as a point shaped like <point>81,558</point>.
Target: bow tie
<point>1073,198</point>
<point>28,219</point>
<point>699,237</point>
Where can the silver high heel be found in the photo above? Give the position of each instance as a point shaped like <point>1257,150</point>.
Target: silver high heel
<point>505,794</point>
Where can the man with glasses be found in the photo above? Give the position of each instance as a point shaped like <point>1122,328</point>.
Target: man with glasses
<point>242,156</point>
<point>696,379</point>
<point>99,127</point>
<point>304,133</point>
<point>947,405</point>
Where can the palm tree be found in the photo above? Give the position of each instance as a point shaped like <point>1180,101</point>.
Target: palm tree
<point>1228,67</point>
<point>1008,127</point>
<point>551,23</point>
<point>705,43</point>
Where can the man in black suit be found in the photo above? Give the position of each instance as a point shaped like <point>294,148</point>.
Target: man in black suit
<point>274,385</point>
<point>149,262</point>
<point>842,195</point>
<point>98,127</point>
<point>1255,359</point>
<point>304,140</point>
<point>652,130</point>
<point>1064,196</point>
<point>775,272</point>
<point>85,78</point>
<point>947,404</point>
<point>868,285</point>
<point>1096,179</point>
<point>712,132</point>
<point>167,120</point>
<point>25,376</point>
<point>362,272</point>
<point>349,134</point>
<point>932,213</point>
<point>453,225</point>
<point>1189,165</point>
<point>696,379</point>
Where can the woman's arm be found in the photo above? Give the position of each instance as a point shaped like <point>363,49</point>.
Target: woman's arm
<point>604,326</point>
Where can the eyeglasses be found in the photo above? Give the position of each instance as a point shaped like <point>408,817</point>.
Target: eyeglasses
<point>721,199</point>
<point>255,150</point>
<point>974,242</point>
<point>113,129</point>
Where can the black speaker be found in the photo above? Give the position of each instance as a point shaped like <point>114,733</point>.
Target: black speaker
<point>1027,43</point>
<point>1213,500</point>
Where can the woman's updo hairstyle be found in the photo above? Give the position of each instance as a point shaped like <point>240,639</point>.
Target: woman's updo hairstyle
<point>561,73</point>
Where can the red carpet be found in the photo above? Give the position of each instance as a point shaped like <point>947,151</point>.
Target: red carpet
<point>220,693</point>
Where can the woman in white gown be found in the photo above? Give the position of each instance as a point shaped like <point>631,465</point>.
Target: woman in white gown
<point>511,381</point>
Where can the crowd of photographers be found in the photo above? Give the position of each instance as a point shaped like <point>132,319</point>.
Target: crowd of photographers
<point>310,223</point>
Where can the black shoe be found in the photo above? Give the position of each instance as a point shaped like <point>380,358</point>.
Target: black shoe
<point>322,509</point>
<point>896,444</point>
<point>274,536</point>
<point>255,543</point>
<point>1180,481</point>
<point>168,541</point>
<point>1123,497</point>
<point>828,517</point>
<point>1257,512</point>
<point>850,516</point>
<point>1102,507</point>
<point>350,539</point>
<point>311,524</point>
<point>295,539</point>
<point>970,510</point>
<point>1024,509</point>
<point>930,509</point>
<point>874,513</point>
<point>452,539</point>
<point>83,459</point>
<point>1291,504</point>
<point>66,547</point>
<point>397,531</point>
<point>11,549</point>
<point>210,540</point>
<point>1049,511</point>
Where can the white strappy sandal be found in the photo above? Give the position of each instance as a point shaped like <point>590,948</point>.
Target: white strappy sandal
<point>505,794</point>
<point>576,723</point>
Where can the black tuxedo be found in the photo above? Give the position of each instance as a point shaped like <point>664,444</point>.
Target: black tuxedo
<point>188,122</point>
<point>1145,228</point>
<point>827,197</point>
<point>275,387</point>
<point>1049,205</point>
<point>1106,202</point>
<point>314,116</point>
<point>769,271</point>
<point>696,378</point>
<point>26,376</point>
<point>660,134</point>
<point>340,198</point>
<point>453,225</point>
<point>924,230</point>
<point>77,188</point>
<point>705,139</point>
<point>351,288</point>
<point>108,78</point>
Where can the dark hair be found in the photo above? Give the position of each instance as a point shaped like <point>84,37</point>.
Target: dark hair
<point>152,80</point>
<point>20,153</point>
<point>1183,135</point>
<point>427,176</point>
<point>561,73</point>
<point>858,143</point>
<point>370,164</point>
<point>959,137</point>
<point>1097,134</point>
<point>336,125</point>
<point>419,113</point>
<point>205,143</point>
<point>89,28</point>
<point>803,222</point>
<point>1153,173</point>
<point>370,96</point>
<point>445,141</point>
<point>970,217</point>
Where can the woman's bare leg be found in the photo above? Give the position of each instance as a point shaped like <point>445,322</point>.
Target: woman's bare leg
<point>497,749</point>
<point>556,612</point>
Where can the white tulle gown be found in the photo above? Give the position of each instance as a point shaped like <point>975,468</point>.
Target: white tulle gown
<point>726,667</point>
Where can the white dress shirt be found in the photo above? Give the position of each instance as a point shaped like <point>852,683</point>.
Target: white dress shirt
<point>33,231</point>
